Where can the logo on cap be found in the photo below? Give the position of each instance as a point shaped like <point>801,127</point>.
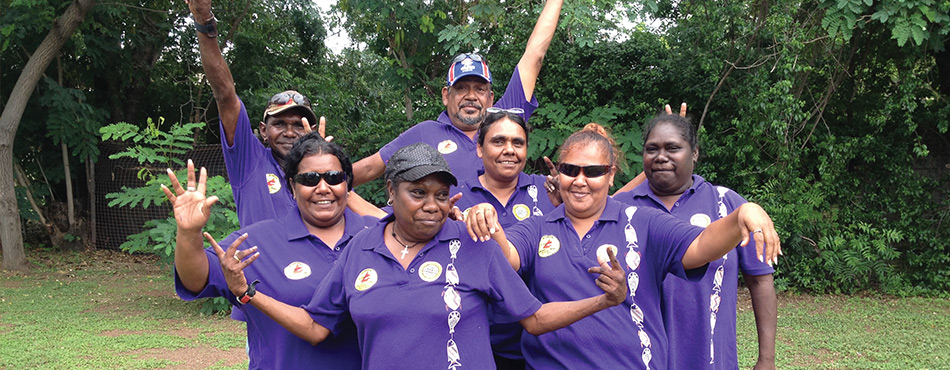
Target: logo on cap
<point>297,270</point>
<point>468,65</point>
<point>366,279</point>
<point>273,183</point>
<point>430,271</point>
<point>548,246</point>
<point>447,146</point>
<point>521,211</point>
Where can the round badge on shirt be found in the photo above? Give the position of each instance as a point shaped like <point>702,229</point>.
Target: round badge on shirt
<point>273,183</point>
<point>297,270</point>
<point>548,246</point>
<point>447,146</point>
<point>700,219</point>
<point>602,253</point>
<point>521,211</point>
<point>366,279</point>
<point>430,271</point>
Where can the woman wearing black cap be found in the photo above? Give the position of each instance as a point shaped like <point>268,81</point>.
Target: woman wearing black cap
<point>417,287</point>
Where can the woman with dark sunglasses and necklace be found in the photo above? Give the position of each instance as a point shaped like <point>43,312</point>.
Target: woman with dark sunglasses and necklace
<point>548,252</point>
<point>299,248</point>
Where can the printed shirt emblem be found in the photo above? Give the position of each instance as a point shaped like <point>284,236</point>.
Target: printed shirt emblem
<point>548,246</point>
<point>297,270</point>
<point>447,146</point>
<point>700,219</point>
<point>602,253</point>
<point>273,183</point>
<point>430,271</point>
<point>366,279</point>
<point>521,211</point>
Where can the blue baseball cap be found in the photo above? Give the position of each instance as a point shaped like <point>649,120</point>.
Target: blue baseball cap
<point>468,64</point>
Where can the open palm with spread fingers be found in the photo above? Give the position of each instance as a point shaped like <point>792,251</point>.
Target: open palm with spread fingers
<point>192,208</point>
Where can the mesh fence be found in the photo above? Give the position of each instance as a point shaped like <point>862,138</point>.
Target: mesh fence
<point>114,224</point>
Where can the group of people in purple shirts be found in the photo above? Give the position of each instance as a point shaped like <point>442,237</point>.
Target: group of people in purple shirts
<point>477,265</point>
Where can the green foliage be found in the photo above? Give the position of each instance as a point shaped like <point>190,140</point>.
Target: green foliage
<point>153,146</point>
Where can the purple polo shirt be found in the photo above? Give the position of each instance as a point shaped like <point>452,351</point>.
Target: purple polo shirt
<point>529,200</point>
<point>256,178</point>
<point>457,148</point>
<point>429,314</point>
<point>292,264</point>
<point>690,309</point>
<point>554,263</point>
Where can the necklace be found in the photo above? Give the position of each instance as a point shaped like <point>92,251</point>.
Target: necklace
<point>405,247</point>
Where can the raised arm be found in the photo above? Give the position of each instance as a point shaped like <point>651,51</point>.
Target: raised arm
<point>368,169</point>
<point>765,308</point>
<point>482,224</point>
<point>530,64</point>
<point>295,319</point>
<point>722,236</point>
<point>192,211</point>
<point>555,315</point>
<point>216,70</point>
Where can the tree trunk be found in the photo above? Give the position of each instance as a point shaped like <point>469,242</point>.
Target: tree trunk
<point>70,211</point>
<point>10,230</point>
<point>91,186</point>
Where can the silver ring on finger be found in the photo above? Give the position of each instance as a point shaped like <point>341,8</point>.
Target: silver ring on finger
<point>191,188</point>
<point>756,231</point>
<point>236,258</point>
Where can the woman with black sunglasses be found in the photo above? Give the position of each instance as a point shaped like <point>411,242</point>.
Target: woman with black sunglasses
<point>548,252</point>
<point>300,248</point>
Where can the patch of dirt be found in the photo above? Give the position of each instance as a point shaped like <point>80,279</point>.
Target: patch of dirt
<point>172,327</point>
<point>193,358</point>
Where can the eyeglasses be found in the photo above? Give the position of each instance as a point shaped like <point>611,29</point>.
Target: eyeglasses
<point>313,178</point>
<point>503,110</point>
<point>472,56</point>
<point>287,97</point>
<point>591,171</point>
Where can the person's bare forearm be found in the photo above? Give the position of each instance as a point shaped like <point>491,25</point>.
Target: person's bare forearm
<point>295,319</point>
<point>537,46</point>
<point>217,71</point>
<point>368,169</point>
<point>191,262</point>
<point>555,315</point>
<point>765,308</point>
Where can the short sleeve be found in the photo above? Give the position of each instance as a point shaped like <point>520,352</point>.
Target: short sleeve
<point>514,96</point>
<point>217,286</point>
<point>671,237</point>
<point>328,306</point>
<point>511,300</point>
<point>411,136</point>
<point>523,237</point>
<point>246,152</point>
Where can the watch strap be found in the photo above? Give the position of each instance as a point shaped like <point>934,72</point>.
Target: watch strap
<point>249,293</point>
<point>210,27</point>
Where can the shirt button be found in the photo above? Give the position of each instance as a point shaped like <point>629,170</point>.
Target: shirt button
<point>588,237</point>
<point>504,214</point>
<point>412,271</point>
<point>337,249</point>
<point>677,204</point>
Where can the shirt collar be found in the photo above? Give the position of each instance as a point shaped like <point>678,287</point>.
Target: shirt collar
<point>643,190</point>
<point>297,230</point>
<point>450,230</point>
<point>611,212</point>
<point>524,181</point>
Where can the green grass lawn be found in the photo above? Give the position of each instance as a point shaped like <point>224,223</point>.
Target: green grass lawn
<point>110,310</point>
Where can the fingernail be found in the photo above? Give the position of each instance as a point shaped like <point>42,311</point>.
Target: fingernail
<point>474,239</point>
<point>169,170</point>
<point>776,261</point>
<point>492,230</point>
<point>760,259</point>
<point>245,234</point>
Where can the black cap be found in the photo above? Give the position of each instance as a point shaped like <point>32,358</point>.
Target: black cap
<point>413,162</point>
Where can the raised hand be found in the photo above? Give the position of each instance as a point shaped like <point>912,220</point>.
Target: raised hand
<point>481,221</point>
<point>551,184</point>
<point>232,264</point>
<point>321,128</point>
<point>754,219</point>
<point>682,109</point>
<point>612,279</point>
<point>192,208</point>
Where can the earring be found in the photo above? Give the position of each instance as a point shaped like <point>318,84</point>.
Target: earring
<point>389,202</point>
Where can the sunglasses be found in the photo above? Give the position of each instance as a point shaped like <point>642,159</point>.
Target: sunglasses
<point>509,110</point>
<point>313,178</point>
<point>472,56</point>
<point>286,97</point>
<point>591,171</point>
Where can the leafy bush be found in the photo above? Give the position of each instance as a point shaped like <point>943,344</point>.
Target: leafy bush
<point>154,148</point>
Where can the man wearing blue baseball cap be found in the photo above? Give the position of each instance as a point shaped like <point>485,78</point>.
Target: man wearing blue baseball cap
<point>466,97</point>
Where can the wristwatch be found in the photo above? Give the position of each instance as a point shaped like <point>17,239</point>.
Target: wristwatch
<point>249,293</point>
<point>210,27</point>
